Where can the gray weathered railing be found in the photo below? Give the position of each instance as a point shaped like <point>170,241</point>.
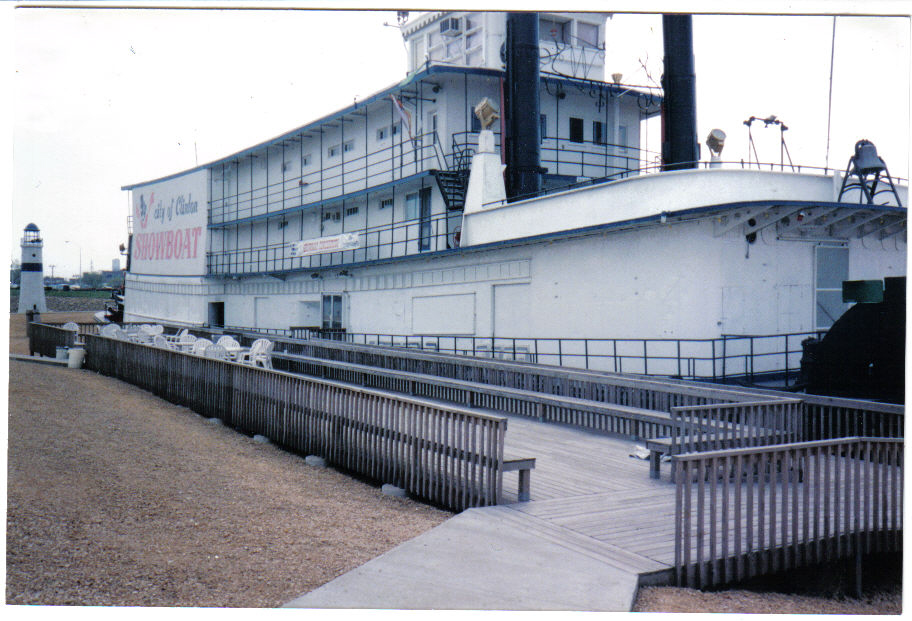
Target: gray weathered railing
<point>822,417</point>
<point>446,455</point>
<point>44,338</point>
<point>616,420</point>
<point>826,417</point>
<point>745,512</point>
<point>735,425</point>
<point>633,391</point>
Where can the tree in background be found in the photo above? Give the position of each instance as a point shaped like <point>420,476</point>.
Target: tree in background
<point>92,280</point>
<point>15,271</point>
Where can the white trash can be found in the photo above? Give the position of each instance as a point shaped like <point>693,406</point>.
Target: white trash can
<point>77,355</point>
<point>62,353</point>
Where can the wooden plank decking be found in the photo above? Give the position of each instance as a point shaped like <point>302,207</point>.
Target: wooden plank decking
<point>588,491</point>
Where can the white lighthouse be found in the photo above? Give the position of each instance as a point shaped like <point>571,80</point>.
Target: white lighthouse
<point>31,280</point>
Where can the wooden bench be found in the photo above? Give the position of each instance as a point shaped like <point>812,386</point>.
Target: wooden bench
<point>524,465</point>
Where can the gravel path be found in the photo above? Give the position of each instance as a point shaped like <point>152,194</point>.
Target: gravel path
<point>116,497</point>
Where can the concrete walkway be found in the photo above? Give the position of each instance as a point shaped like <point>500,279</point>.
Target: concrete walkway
<point>481,560</point>
<point>581,543</point>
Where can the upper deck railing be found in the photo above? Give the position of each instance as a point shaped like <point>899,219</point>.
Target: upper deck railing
<point>327,179</point>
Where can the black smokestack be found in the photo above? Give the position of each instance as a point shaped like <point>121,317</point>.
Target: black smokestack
<point>521,103</point>
<point>680,148</point>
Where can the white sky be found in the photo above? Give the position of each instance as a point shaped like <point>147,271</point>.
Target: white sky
<point>108,97</point>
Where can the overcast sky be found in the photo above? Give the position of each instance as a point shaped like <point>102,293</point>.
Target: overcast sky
<point>109,97</point>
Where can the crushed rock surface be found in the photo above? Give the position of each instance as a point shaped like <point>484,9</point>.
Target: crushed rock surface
<point>675,599</point>
<point>118,498</point>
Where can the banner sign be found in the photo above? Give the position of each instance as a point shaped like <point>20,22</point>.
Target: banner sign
<point>321,245</point>
<point>169,226</point>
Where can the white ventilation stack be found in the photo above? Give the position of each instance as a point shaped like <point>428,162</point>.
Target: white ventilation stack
<point>31,279</point>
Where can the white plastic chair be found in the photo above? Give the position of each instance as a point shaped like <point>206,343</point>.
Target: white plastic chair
<point>175,338</point>
<point>185,344</point>
<point>264,357</point>
<point>216,351</point>
<point>199,346</point>
<point>260,352</point>
<point>120,334</point>
<point>230,345</point>
<point>110,330</point>
<point>159,341</point>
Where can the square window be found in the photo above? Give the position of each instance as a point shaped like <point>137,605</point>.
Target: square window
<point>587,34</point>
<point>395,128</point>
<point>576,129</point>
<point>348,146</point>
<point>552,30</point>
<point>454,48</point>
<point>351,211</point>
<point>386,203</point>
<point>333,151</point>
<point>382,133</point>
<point>305,160</point>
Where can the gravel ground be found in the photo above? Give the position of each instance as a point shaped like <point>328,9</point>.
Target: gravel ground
<point>673,599</point>
<point>64,304</point>
<point>128,500</point>
<point>116,497</point>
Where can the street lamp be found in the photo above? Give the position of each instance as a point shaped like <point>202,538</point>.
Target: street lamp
<point>80,256</point>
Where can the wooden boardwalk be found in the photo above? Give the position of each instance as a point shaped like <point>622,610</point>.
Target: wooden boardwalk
<point>587,488</point>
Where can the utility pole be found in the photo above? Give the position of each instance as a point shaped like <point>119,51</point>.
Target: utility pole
<point>52,270</point>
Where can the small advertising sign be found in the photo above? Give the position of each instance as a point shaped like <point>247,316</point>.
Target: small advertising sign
<point>321,245</point>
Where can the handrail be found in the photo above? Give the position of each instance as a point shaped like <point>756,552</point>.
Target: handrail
<point>380,242</point>
<point>749,511</point>
<point>446,455</point>
<point>612,419</point>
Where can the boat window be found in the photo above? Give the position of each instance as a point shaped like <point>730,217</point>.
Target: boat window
<point>476,124</point>
<point>576,129</point>
<point>411,206</point>
<point>542,127</point>
<point>587,34</point>
<point>424,225</point>
<point>417,52</point>
<point>598,132</point>
<point>552,30</point>
<point>622,137</point>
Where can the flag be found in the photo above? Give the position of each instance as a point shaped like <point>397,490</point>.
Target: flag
<point>404,115</point>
